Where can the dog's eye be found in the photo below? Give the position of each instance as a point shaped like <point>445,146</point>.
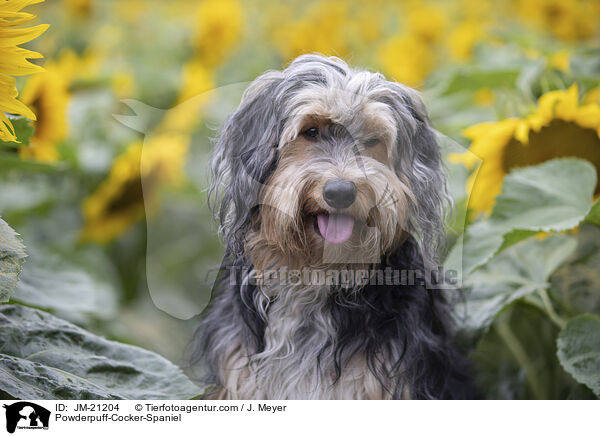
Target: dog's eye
<point>311,133</point>
<point>371,142</point>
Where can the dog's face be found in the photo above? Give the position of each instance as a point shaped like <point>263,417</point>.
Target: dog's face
<point>327,166</point>
<point>334,196</point>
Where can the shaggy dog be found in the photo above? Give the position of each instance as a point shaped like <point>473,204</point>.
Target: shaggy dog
<point>331,196</point>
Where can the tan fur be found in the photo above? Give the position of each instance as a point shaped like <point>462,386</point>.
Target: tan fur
<point>283,235</point>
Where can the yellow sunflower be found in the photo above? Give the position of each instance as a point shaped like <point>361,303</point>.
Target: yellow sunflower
<point>463,39</point>
<point>79,8</point>
<point>397,59</point>
<point>193,96</point>
<point>566,19</point>
<point>133,184</point>
<point>321,28</point>
<point>48,96</point>
<point>559,60</point>
<point>14,60</point>
<point>559,127</point>
<point>427,22</point>
<point>367,27</point>
<point>219,27</point>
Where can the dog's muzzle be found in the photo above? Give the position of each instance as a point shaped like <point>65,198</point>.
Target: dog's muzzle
<point>336,228</point>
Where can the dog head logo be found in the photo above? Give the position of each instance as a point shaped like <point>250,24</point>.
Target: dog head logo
<point>182,246</point>
<point>26,415</point>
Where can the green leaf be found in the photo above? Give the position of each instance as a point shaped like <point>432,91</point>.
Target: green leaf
<point>23,131</point>
<point>575,284</point>
<point>12,161</point>
<point>579,350</point>
<point>47,358</point>
<point>529,75</point>
<point>474,78</point>
<point>78,287</point>
<point>553,196</point>
<point>12,257</point>
<point>513,237</point>
<point>517,272</point>
<point>594,215</point>
<point>479,244</point>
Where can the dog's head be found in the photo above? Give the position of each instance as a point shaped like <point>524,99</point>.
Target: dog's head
<point>322,164</point>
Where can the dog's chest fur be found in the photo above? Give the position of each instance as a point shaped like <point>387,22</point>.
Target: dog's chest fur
<point>297,361</point>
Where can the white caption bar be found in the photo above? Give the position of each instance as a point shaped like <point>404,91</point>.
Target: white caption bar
<point>263,418</point>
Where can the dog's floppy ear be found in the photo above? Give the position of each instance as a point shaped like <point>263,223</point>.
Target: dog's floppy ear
<point>244,156</point>
<point>419,160</point>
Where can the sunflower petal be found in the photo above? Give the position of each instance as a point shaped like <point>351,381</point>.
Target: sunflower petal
<point>476,130</point>
<point>17,5</point>
<point>7,133</point>
<point>588,116</point>
<point>12,37</point>
<point>8,98</point>
<point>468,159</point>
<point>14,61</point>
<point>522,132</point>
<point>14,18</point>
<point>567,106</point>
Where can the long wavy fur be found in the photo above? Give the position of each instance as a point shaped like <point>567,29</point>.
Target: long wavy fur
<point>409,324</point>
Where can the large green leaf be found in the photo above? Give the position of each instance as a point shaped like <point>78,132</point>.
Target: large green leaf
<point>45,357</point>
<point>12,257</point>
<point>553,196</point>
<point>517,272</point>
<point>80,287</point>
<point>579,350</point>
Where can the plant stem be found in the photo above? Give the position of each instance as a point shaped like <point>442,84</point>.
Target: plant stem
<point>513,344</point>
<point>555,317</point>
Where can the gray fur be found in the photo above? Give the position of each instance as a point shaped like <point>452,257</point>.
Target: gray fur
<point>247,145</point>
<point>277,342</point>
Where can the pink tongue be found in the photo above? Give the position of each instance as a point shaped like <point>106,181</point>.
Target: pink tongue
<point>335,228</point>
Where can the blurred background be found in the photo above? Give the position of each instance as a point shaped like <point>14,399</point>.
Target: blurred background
<point>75,193</point>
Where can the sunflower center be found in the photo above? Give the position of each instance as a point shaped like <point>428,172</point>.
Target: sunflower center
<point>37,106</point>
<point>558,139</point>
<point>131,197</point>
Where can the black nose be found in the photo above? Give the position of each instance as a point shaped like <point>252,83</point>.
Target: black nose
<point>339,193</point>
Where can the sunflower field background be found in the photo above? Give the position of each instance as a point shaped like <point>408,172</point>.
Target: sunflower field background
<point>106,111</point>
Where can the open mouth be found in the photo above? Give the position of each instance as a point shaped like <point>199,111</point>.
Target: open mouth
<point>335,228</point>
